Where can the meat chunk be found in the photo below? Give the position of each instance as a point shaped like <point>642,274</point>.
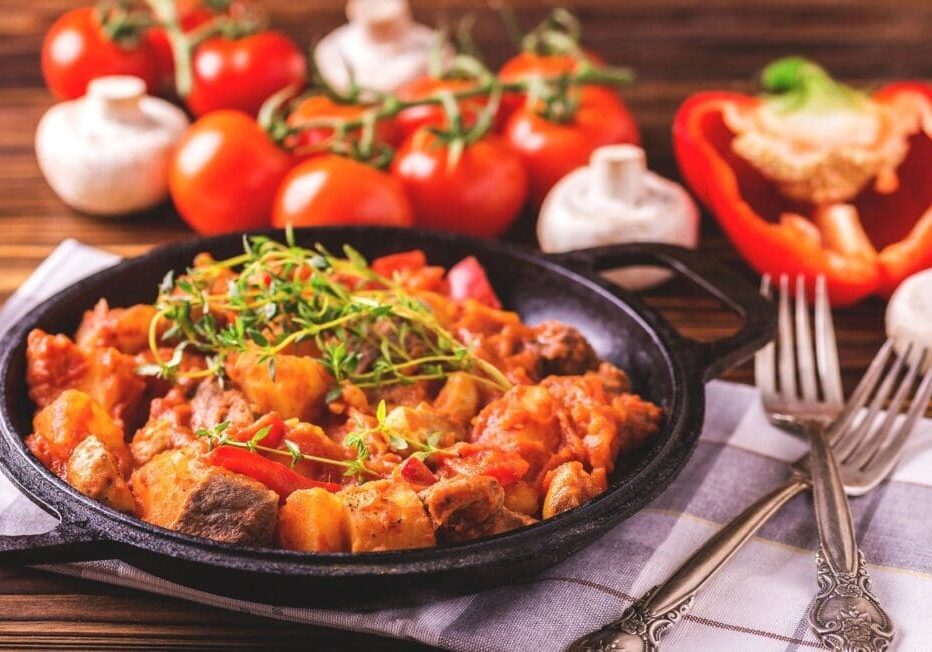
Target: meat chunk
<point>156,436</point>
<point>212,405</point>
<point>297,390</point>
<point>54,363</point>
<point>386,515</point>
<point>95,472</point>
<point>71,418</point>
<point>124,329</point>
<point>178,491</point>
<point>569,487</point>
<point>313,520</point>
<point>469,507</point>
<point>562,349</point>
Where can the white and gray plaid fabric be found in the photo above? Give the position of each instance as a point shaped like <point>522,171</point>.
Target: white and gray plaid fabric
<point>759,602</point>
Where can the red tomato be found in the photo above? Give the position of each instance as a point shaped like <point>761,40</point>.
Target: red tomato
<point>551,150</point>
<point>243,73</point>
<point>76,50</point>
<point>225,172</point>
<point>525,65</point>
<point>468,280</point>
<point>321,106</point>
<point>333,190</point>
<point>481,195</point>
<point>433,115</point>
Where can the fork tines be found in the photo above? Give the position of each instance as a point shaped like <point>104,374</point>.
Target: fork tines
<point>791,358</point>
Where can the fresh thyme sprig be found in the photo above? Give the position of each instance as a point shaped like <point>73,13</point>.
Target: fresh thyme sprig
<point>364,328</point>
<point>219,435</point>
<point>357,440</point>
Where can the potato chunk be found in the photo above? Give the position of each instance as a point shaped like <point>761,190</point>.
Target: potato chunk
<point>125,329</point>
<point>70,419</point>
<point>178,491</point>
<point>386,515</point>
<point>459,398</point>
<point>313,520</point>
<point>298,390</point>
<point>94,471</point>
<point>54,363</point>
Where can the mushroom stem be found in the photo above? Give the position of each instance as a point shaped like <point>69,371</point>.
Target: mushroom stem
<point>618,173</point>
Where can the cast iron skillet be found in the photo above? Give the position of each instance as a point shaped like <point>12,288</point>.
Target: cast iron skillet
<point>665,367</point>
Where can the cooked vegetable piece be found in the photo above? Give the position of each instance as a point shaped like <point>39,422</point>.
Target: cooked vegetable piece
<point>386,515</point>
<point>67,421</point>
<point>94,471</point>
<point>459,398</point>
<point>297,389</point>
<point>55,363</point>
<point>423,422</point>
<point>313,520</point>
<point>179,492</point>
<point>276,476</point>
<point>125,329</point>
<point>523,498</point>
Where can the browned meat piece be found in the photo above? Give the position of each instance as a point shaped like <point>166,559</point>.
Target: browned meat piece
<point>563,349</point>
<point>67,421</point>
<point>54,363</point>
<point>94,471</point>
<point>569,487</point>
<point>463,501</point>
<point>469,507</point>
<point>212,405</point>
<point>158,435</point>
<point>615,380</point>
<point>125,329</point>
<point>178,491</point>
<point>386,515</point>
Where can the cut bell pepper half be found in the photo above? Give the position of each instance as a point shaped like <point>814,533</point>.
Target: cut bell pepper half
<point>864,245</point>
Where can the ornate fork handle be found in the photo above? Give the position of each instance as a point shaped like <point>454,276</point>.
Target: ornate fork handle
<point>644,622</point>
<point>846,615</point>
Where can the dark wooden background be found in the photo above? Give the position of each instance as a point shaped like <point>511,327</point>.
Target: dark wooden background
<point>676,46</point>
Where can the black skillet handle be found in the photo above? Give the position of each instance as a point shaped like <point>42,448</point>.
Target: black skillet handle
<point>757,313</point>
<point>63,543</point>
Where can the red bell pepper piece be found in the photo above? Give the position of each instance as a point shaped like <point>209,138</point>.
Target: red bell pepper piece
<point>864,244</point>
<point>468,280</point>
<point>276,476</point>
<point>416,472</point>
<point>405,261</point>
<point>272,438</point>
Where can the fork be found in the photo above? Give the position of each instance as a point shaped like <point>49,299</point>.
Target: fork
<point>867,454</point>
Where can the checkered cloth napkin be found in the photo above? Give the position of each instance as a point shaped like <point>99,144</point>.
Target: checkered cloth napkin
<point>758,602</point>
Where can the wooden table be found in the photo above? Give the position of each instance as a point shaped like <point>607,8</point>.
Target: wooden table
<point>678,46</point>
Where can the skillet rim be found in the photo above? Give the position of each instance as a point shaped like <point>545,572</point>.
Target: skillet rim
<point>133,535</point>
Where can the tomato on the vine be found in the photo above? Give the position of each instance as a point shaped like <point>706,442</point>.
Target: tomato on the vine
<point>551,150</point>
<point>242,73</point>
<point>480,194</point>
<point>225,172</point>
<point>316,107</point>
<point>191,15</point>
<point>77,49</point>
<point>434,115</point>
<point>525,65</point>
<point>333,190</point>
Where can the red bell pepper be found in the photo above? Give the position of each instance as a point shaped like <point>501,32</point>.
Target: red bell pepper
<point>276,476</point>
<point>865,228</point>
<point>468,280</point>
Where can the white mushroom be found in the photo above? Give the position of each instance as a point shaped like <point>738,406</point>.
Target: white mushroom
<point>108,152</point>
<point>910,313</point>
<point>616,199</point>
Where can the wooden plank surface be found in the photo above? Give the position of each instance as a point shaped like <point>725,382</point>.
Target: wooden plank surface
<point>677,47</point>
